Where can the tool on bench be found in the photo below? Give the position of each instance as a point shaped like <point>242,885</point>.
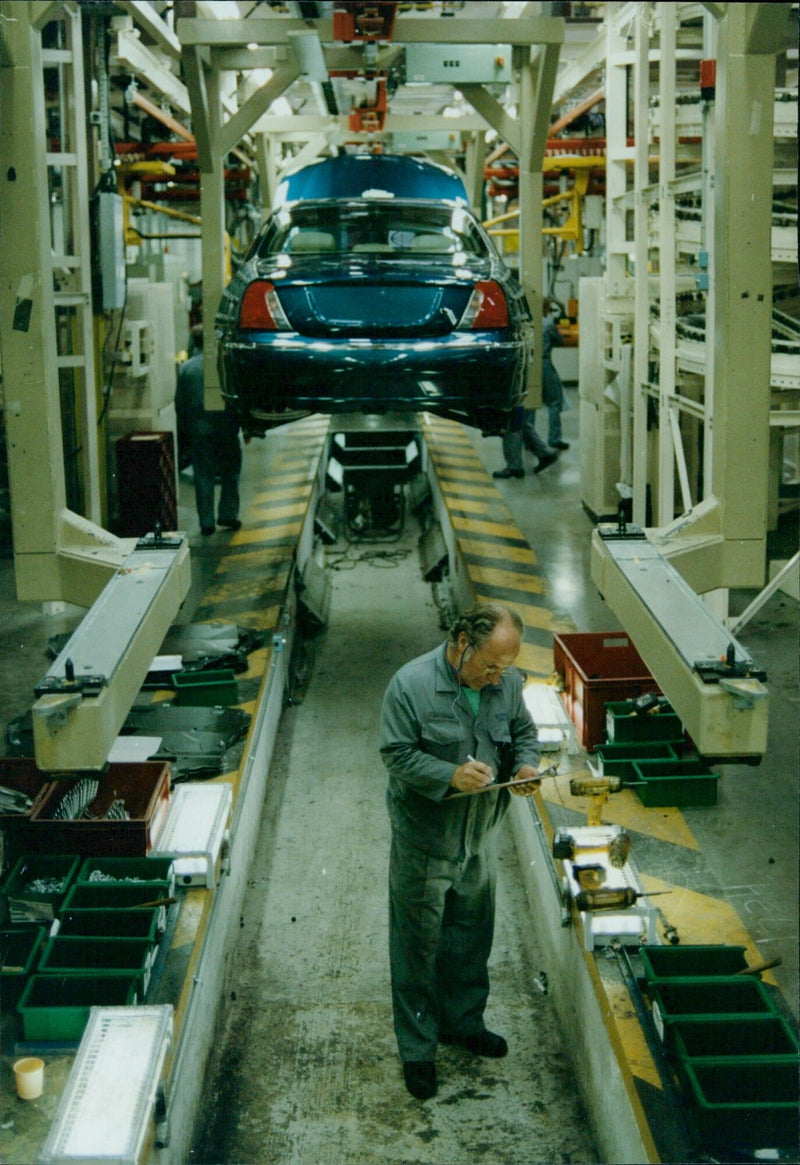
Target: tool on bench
<point>612,899</point>
<point>618,848</point>
<point>594,786</point>
<point>591,876</point>
<point>650,704</point>
<point>550,771</point>
<point>764,965</point>
<point>598,788</point>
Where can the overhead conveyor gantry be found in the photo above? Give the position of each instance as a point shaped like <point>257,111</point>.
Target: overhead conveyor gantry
<point>303,48</point>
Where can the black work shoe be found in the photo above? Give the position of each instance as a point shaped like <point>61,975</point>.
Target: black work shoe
<point>234,525</point>
<point>509,473</point>
<point>206,530</point>
<point>483,1043</point>
<point>486,1043</point>
<point>561,444</point>
<point>548,459</point>
<point>420,1078</point>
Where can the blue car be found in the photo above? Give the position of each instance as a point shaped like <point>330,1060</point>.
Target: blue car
<point>373,288</point>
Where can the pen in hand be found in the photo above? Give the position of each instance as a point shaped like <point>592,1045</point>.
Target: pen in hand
<point>470,757</point>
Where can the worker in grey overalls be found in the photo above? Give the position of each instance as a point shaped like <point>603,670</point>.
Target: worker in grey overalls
<point>453,721</point>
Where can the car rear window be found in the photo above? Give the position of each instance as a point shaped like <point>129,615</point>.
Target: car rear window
<point>385,228</point>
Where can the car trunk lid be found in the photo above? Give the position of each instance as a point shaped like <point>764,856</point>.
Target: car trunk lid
<point>375,303</point>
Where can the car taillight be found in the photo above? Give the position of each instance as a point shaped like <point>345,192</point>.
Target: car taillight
<point>261,309</point>
<point>487,307</point>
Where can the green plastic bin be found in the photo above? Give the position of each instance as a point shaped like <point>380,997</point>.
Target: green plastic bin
<point>77,954</point>
<point>56,1007</point>
<point>19,950</point>
<point>28,904</point>
<point>702,997</point>
<point>112,870</point>
<point>102,896</point>
<point>115,895</point>
<point>690,962</point>
<point>624,726</point>
<point>746,1104</point>
<point>724,1035</point>
<point>206,688</point>
<point>675,784</point>
<point>617,760</point>
<point>112,923</point>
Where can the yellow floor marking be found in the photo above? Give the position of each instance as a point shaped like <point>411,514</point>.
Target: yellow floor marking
<point>538,660</point>
<point>476,476</point>
<point>248,537</point>
<point>497,551</point>
<point>444,450</point>
<point>194,912</point>
<point>625,809</point>
<point>258,619</point>
<point>477,526</point>
<point>465,506</point>
<point>540,617</point>
<point>495,576</point>
<point>631,1033</point>
<point>699,918</point>
<point>271,512</point>
<point>261,559</point>
<point>285,493</point>
<point>458,488</point>
<point>256,663</point>
<point>190,916</point>
<point>239,588</point>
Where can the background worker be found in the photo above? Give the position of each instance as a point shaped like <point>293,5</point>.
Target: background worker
<point>552,388</point>
<point>452,720</point>
<point>211,441</point>
<point>522,431</point>
<point>522,434</point>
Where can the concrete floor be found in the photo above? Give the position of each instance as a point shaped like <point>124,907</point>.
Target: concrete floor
<point>306,1066</point>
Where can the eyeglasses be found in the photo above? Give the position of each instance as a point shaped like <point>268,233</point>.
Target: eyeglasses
<point>491,668</point>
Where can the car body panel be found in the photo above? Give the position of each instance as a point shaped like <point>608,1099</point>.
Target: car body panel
<point>353,175</point>
<point>372,308</point>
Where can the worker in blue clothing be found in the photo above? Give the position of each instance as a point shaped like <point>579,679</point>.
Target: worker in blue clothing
<point>211,440</point>
<point>552,388</point>
<point>522,430</point>
<point>452,721</point>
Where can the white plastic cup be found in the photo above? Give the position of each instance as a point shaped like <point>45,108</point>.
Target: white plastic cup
<point>29,1075</point>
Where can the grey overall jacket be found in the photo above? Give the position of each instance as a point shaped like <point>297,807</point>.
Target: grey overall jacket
<point>428,730</point>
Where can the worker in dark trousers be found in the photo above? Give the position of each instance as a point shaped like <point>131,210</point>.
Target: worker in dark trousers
<point>522,430</point>
<point>452,721</point>
<point>553,396</point>
<point>522,433</point>
<point>212,440</point>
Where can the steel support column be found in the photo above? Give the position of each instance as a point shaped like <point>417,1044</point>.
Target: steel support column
<point>59,555</point>
<point>741,336</point>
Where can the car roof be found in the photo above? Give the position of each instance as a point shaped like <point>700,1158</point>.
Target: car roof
<point>375,176</point>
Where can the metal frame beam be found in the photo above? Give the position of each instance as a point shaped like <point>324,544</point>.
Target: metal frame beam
<point>407,30</point>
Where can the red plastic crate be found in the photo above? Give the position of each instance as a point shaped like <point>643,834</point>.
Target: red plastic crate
<point>597,668</point>
<point>21,775</point>
<point>144,787</point>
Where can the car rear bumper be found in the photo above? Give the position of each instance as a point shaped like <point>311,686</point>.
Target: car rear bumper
<point>463,372</point>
